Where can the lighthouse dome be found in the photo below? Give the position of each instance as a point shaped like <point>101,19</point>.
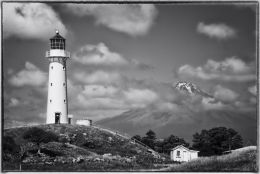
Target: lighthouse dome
<point>57,42</point>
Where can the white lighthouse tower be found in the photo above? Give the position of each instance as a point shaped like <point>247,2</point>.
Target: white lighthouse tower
<point>57,104</point>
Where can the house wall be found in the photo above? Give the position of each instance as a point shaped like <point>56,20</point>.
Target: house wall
<point>185,155</point>
<point>193,155</point>
<point>84,122</point>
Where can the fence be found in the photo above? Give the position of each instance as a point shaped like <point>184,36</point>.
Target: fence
<point>126,136</point>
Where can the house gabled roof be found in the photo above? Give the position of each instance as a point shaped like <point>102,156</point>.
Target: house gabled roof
<point>181,146</point>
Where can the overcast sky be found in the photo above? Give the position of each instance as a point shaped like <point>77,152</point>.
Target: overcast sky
<point>129,56</point>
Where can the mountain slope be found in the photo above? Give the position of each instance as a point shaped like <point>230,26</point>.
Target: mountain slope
<point>164,123</point>
<point>192,110</point>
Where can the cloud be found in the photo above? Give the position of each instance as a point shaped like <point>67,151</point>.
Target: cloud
<point>211,104</point>
<point>101,55</point>
<point>98,54</point>
<point>98,77</point>
<point>252,90</point>
<point>30,21</point>
<point>140,97</point>
<point>253,100</point>
<point>31,75</point>
<point>102,103</point>
<point>97,91</point>
<point>230,69</point>
<point>218,31</point>
<point>14,102</point>
<point>132,19</point>
<point>225,94</point>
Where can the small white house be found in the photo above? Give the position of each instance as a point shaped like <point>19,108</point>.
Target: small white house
<point>181,154</point>
<point>85,122</point>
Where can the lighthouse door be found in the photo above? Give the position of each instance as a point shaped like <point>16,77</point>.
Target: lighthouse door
<point>57,117</point>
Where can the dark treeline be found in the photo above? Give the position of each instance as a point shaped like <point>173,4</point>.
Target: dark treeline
<point>209,142</point>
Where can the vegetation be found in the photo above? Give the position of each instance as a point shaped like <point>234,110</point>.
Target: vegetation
<point>240,160</point>
<point>76,148</point>
<point>216,140</point>
<point>162,146</point>
<point>38,136</point>
<point>81,148</point>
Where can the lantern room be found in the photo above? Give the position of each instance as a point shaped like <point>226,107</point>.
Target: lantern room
<point>57,42</point>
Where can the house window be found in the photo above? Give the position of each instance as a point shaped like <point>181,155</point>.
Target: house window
<point>178,153</point>
<point>63,84</point>
<point>51,67</point>
<point>63,68</point>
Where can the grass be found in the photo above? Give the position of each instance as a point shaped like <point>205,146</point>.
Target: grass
<point>91,143</point>
<point>240,160</point>
<point>75,141</point>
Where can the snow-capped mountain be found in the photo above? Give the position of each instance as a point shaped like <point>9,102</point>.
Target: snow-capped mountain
<point>191,89</point>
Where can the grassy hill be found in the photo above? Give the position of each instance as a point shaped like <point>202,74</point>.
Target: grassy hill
<point>82,148</point>
<point>239,160</point>
<point>78,148</point>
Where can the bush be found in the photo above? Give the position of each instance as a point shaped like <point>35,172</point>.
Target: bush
<point>9,145</point>
<point>11,153</point>
<point>38,136</point>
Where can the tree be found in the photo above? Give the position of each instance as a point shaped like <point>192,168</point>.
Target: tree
<point>151,135</point>
<point>137,137</point>
<point>149,139</point>
<point>216,140</point>
<point>171,142</point>
<point>10,147</point>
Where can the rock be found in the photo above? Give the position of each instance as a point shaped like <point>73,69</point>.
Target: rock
<point>50,163</point>
<point>107,155</point>
<point>128,160</point>
<point>97,159</point>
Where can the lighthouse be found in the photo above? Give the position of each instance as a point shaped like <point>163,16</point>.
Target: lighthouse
<point>57,103</point>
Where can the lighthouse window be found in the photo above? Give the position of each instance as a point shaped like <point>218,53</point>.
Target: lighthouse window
<point>64,101</point>
<point>51,84</point>
<point>58,44</point>
<point>51,67</point>
<point>63,84</point>
<point>63,68</point>
<point>50,101</point>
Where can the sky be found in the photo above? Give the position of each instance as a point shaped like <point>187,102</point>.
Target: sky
<point>129,56</point>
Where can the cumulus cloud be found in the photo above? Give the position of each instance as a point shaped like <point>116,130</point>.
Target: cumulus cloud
<point>98,54</point>
<point>101,55</point>
<point>104,103</point>
<point>14,102</point>
<point>97,91</point>
<point>218,31</point>
<point>31,75</point>
<point>225,94</point>
<point>252,90</point>
<point>30,21</point>
<point>211,104</point>
<point>140,97</point>
<point>132,19</point>
<point>98,77</point>
<point>230,69</point>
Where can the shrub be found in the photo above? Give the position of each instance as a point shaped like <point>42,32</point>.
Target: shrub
<point>38,136</point>
<point>10,149</point>
<point>9,145</point>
